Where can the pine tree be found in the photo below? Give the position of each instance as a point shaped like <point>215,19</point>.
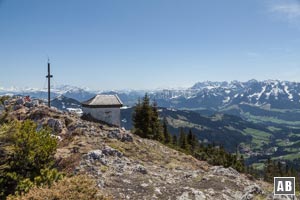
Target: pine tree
<point>269,171</point>
<point>174,140</point>
<point>167,135</point>
<point>146,115</point>
<point>155,124</point>
<point>183,140</point>
<point>279,169</point>
<point>192,141</point>
<point>137,119</point>
<point>142,118</point>
<point>240,164</point>
<point>146,120</point>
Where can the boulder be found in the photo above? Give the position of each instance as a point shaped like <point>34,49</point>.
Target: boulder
<point>108,151</point>
<point>28,104</point>
<point>97,155</point>
<point>20,101</point>
<point>250,191</point>
<point>127,138</point>
<point>116,134</point>
<point>55,124</point>
<point>6,102</point>
<point>1,109</point>
<point>17,107</point>
<point>141,169</point>
<point>220,170</point>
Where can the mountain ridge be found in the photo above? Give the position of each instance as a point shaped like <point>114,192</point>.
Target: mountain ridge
<point>126,166</point>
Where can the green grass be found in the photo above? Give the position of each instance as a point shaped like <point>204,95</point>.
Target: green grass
<point>177,123</point>
<point>231,128</point>
<point>292,150</point>
<point>294,134</point>
<point>257,119</point>
<point>288,157</point>
<point>283,143</point>
<point>258,166</point>
<point>257,133</point>
<point>259,138</point>
<point>273,128</point>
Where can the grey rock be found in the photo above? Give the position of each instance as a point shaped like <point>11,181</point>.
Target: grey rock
<point>1,109</point>
<point>29,104</point>
<point>127,138</point>
<point>141,169</point>
<point>198,195</point>
<point>210,192</point>
<point>108,151</point>
<point>6,102</point>
<point>220,170</point>
<point>144,185</point>
<point>97,155</point>
<point>20,101</point>
<point>283,197</point>
<point>17,107</point>
<point>35,102</point>
<point>250,191</point>
<point>116,134</point>
<point>184,196</point>
<point>55,124</point>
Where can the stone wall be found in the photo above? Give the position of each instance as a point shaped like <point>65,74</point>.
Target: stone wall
<point>108,115</point>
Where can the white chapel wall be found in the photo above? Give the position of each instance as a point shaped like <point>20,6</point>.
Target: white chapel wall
<point>108,115</point>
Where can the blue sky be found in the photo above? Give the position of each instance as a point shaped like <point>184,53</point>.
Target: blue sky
<point>139,44</point>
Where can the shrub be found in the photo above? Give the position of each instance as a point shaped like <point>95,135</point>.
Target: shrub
<point>26,157</point>
<point>77,187</point>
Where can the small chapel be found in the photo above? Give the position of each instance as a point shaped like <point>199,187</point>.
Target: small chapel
<point>104,108</point>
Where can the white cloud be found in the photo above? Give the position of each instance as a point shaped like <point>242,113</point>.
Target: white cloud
<point>289,9</point>
<point>252,54</point>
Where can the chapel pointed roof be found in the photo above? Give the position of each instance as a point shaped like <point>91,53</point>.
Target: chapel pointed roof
<point>103,100</point>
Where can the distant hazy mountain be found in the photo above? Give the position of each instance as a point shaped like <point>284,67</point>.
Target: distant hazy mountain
<point>216,96</point>
<point>64,103</point>
<point>77,93</point>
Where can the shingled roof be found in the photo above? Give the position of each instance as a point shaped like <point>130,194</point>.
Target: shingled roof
<point>103,101</point>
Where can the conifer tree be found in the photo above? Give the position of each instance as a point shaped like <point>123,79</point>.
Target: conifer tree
<point>155,124</point>
<point>146,120</point>
<point>167,135</point>
<point>192,141</point>
<point>174,140</point>
<point>183,140</point>
<point>142,118</point>
<point>269,171</point>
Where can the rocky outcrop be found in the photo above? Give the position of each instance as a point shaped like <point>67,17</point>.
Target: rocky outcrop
<point>128,167</point>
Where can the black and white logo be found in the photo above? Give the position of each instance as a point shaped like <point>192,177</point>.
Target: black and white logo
<point>284,185</point>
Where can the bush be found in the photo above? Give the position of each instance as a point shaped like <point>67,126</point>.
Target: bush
<point>76,187</point>
<point>26,157</point>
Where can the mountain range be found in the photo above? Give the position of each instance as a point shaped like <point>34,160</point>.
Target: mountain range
<point>264,101</point>
<point>261,116</point>
<point>209,95</point>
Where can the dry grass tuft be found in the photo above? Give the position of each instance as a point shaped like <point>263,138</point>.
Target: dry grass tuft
<point>73,188</point>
